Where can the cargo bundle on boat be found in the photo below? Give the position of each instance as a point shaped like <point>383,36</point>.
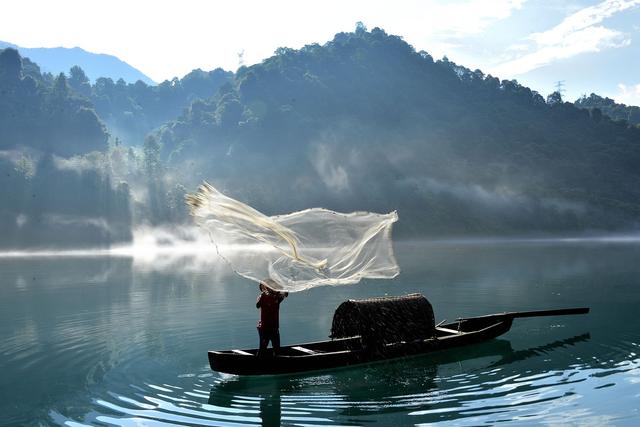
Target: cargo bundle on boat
<point>384,320</point>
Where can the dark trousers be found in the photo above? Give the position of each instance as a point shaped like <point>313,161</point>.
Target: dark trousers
<point>267,335</point>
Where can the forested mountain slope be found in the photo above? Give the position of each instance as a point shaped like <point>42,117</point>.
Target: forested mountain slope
<point>43,113</point>
<point>363,122</point>
<point>58,60</point>
<point>609,107</point>
<point>131,110</point>
<point>366,122</point>
<point>52,193</point>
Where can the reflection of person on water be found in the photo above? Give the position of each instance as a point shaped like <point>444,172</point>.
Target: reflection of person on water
<point>269,323</point>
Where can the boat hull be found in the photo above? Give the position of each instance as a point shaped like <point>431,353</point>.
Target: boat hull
<point>345,352</point>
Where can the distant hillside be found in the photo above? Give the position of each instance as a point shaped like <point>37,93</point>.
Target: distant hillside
<point>43,113</point>
<point>608,106</point>
<point>55,185</point>
<point>363,122</point>
<point>366,122</point>
<point>132,110</point>
<point>60,60</point>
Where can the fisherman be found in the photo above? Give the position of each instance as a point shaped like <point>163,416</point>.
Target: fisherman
<point>269,324</point>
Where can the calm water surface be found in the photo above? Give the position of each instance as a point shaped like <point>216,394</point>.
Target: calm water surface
<point>121,341</point>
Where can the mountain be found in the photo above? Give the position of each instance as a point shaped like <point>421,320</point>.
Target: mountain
<point>43,113</point>
<point>132,110</point>
<point>609,107</point>
<point>60,60</point>
<point>55,184</point>
<point>365,122</point>
<point>64,175</point>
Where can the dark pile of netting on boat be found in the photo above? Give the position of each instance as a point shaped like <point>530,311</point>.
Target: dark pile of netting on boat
<point>385,319</point>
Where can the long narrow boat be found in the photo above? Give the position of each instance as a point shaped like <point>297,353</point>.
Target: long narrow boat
<point>359,349</point>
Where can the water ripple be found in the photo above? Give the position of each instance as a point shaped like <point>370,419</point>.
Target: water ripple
<point>324,400</point>
<point>126,347</point>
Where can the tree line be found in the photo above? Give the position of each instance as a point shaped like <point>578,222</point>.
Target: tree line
<point>363,122</point>
<point>367,122</point>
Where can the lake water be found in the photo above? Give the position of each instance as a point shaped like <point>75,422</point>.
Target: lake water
<point>118,340</point>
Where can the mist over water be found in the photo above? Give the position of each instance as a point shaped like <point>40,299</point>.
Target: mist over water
<point>148,244</point>
<point>151,243</point>
<point>122,340</point>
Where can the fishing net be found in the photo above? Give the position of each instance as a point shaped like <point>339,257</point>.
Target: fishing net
<point>300,250</point>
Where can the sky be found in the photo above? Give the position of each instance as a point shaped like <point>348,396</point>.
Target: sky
<point>587,46</point>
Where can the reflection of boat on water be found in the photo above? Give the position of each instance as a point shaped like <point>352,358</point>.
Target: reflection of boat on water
<point>375,330</point>
<point>387,387</point>
<point>311,397</point>
<point>422,370</point>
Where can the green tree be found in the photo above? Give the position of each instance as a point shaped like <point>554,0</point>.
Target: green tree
<point>152,162</point>
<point>60,88</point>
<point>10,65</point>
<point>79,81</point>
<point>158,211</point>
<point>554,98</point>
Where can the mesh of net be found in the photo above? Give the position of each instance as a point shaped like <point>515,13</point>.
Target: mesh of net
<point>300,250</point>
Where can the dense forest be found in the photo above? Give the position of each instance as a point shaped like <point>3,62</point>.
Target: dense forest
<point>363,122</point>
<point>130,111</point>
<point>58,60</point>
<point>610,108</point>
<point>366,122</point>
<point>50,194</point>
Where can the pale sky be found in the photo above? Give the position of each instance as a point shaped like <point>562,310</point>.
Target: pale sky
<point>593,46</point>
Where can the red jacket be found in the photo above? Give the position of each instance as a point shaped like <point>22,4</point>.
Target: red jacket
<point>269,305</point>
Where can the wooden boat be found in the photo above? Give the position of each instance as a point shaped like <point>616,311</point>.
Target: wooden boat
<point>388,343</point>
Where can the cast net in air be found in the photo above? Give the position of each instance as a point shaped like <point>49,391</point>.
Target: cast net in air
<point>300,250</point>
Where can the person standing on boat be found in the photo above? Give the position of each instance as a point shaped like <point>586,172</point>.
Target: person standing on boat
<point>269,324</point>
